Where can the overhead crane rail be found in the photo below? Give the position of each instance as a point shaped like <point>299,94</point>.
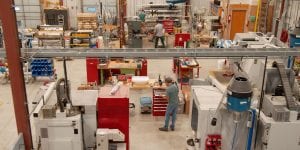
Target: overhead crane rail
<point>157,53</point>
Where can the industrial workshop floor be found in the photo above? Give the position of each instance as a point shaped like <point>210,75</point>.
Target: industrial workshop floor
<point>144,133</point>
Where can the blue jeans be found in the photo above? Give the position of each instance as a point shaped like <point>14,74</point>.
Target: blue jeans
<point>162,39</point>
<point>171,111</point>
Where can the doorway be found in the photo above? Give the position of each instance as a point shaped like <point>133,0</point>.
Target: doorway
<point>237,22</point>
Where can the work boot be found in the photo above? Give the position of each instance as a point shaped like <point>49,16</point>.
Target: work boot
<point>172,128</point>
<point>163,129</point>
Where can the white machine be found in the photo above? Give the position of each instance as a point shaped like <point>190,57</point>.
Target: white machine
<point>204,104</point>
<point>62,124</point>
<point>60,133</point>
<point>257,40</point>
<point>73,126</point>
<point>273,135</point>
<point>104,136</point>
<point>279,121</point>
<point>279,124</point>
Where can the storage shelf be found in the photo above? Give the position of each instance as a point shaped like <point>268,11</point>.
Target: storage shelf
<point>162,11</point>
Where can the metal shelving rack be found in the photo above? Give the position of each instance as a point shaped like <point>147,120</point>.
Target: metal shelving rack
<point>161,11</point>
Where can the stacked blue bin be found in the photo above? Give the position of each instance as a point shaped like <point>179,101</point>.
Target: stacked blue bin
<point>42,67</point>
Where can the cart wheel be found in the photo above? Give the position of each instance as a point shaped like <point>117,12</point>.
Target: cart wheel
<point>132,105</point>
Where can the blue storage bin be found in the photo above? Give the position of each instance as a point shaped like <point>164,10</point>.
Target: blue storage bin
<point>146,105</point>
<point>146,101</point>
<point>42,67</point>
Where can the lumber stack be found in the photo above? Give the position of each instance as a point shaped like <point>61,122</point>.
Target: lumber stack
<point>87,21</point>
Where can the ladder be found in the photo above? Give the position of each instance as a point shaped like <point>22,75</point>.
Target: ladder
<point>290,101</point>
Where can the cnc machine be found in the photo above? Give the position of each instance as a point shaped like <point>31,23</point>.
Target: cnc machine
<point>67,120</point>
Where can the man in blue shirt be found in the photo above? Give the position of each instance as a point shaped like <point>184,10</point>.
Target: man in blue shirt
<point>172,97</point>
<point>142,16</point>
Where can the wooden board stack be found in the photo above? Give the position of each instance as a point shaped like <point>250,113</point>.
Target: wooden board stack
<point>87,21</point>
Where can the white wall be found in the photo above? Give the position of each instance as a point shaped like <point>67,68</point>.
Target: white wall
<point>197,5</point>
<point>74,7</point>
<point>106,4</point>
<point>90,3</point>
<point>29,14</point>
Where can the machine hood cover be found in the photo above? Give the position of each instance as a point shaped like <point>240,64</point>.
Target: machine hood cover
<point>240,87</point>
<point>296,31</point>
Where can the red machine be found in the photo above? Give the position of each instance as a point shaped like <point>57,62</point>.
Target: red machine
<point>168,26</point>
<point>181,38</point>
<point>92,70</point>
<point>113,110</point>
<point>144,69</point>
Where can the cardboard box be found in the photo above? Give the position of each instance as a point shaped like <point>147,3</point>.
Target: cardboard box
<point>186,91</point>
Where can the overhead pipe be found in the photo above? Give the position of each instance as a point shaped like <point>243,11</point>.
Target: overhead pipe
<point>59,95</point>
<point>62,98</point>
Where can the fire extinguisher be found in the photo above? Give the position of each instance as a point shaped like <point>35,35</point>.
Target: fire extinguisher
<point>229,18</point>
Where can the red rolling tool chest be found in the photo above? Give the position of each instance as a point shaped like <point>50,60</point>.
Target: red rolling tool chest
<point>159,104</point>
<point>144,68</point>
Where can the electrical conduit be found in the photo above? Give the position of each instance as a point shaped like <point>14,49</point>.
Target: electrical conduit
<point>251,128</point>
<point>257,14</point>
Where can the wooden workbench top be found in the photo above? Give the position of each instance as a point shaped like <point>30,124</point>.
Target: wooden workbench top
<point>119,65</point>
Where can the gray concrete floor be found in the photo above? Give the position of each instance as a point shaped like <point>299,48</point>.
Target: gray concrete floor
<point>144,133</point>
